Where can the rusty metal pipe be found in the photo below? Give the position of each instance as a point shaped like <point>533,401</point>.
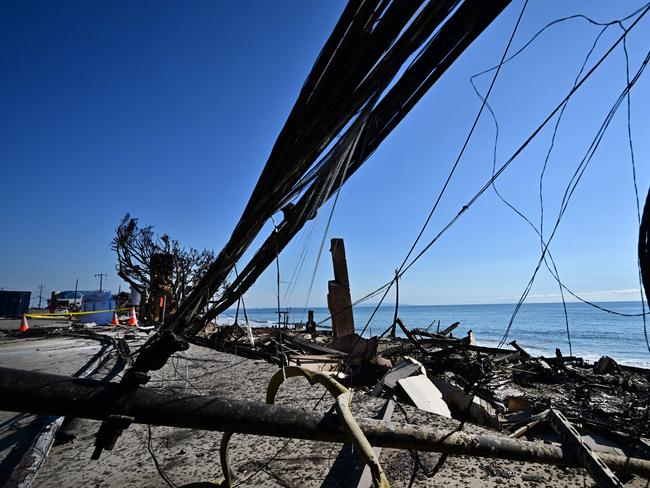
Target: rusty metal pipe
<point>47,394</point>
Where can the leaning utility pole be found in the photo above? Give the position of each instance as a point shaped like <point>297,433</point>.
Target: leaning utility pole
<point>40,295</point>
<point>101,276</point>
<point>48,394</point>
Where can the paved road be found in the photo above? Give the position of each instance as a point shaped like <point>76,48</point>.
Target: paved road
<point>13,324</point>
<point>53,355</point>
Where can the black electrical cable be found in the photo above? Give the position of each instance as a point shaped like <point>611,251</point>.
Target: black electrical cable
<point>343,167</point>
<point>386,286</point>
<point>265,465</point>
<point>303,248</point>
<point>573,183</point>
<point>505,165</point>
<point>159,468</point>
<point>554,272</point>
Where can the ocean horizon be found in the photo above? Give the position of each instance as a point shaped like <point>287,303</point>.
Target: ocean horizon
<point>538,327</point>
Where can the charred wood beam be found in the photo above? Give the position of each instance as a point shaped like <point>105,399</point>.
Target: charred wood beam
<point>410,337</point>
<point>47,394</point>
<point>450,329</point>
<point>521,350</point>
<point>573,443</point>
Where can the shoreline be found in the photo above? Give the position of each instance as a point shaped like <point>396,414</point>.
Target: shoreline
<point>535,348</point>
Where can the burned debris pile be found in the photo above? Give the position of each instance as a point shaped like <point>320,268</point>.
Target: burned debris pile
<point>513,386</point>
<point>505,389</point>
<point>589,410</point>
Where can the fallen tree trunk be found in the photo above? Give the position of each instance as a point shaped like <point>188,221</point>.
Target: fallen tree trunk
<point>41,393</point>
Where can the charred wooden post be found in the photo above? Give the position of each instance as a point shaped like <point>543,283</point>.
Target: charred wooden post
<point>311,325</point>
<point>339,299</point>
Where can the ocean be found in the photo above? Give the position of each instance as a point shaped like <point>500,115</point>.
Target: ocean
<point>539,327</point>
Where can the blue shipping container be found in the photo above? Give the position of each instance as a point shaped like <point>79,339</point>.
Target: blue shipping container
<point>14,303</point>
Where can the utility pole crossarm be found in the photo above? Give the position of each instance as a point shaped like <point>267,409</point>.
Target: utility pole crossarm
<point>101,279</point>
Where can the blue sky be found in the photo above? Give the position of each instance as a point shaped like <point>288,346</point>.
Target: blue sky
<point>168,110</point>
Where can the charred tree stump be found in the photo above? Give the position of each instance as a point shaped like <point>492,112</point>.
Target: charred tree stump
<point>161,296</point>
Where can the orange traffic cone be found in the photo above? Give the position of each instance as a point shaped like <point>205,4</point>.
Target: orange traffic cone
<point>24,326</point>
<point>133,320</point>
<point>115,320</point>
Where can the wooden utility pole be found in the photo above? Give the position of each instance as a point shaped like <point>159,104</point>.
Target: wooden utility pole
<point>48,394</point>
<point>339,299</point>
<point>101,279</point>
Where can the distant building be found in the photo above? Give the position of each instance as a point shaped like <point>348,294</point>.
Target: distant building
<point>101,301</point>
<point>87,301</point>
<point>69,298</point>
<point>75,299</point>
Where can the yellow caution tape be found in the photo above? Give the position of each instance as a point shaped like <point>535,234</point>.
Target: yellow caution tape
<point>68,314</point>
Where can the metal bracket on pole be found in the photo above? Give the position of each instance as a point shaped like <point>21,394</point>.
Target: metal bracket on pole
<point>110,430</point>
<point>116,423</point>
